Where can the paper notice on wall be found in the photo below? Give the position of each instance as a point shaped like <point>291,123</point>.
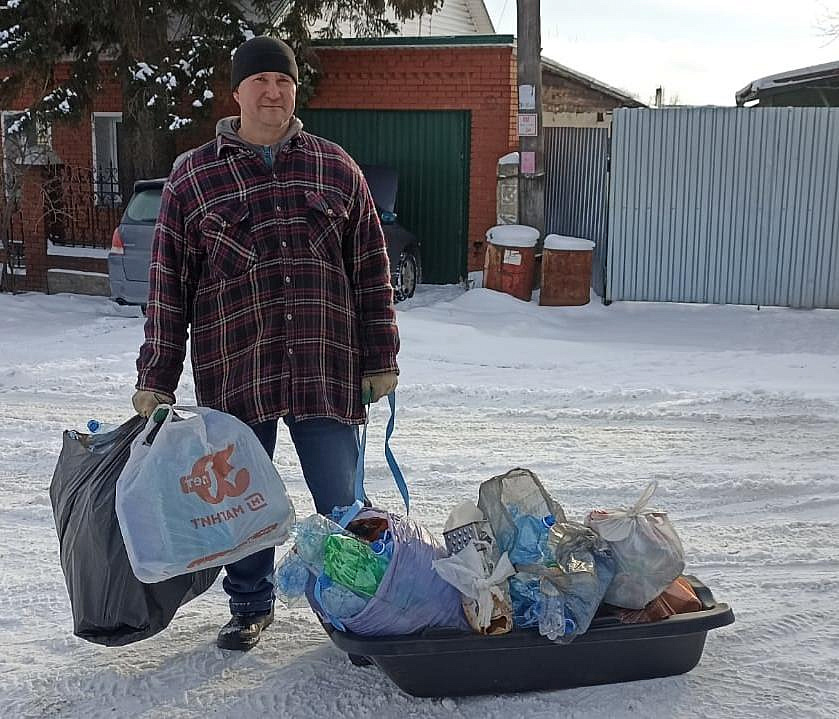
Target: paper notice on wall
<point>527,97</point>
<point>528,163</point>
<point>512,257</point>
<point>527,124</point>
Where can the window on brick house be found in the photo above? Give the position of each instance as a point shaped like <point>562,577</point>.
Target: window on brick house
<point>22,147</point>
<point>106,130</point>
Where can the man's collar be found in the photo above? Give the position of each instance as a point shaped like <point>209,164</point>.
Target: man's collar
<point>226,143</point>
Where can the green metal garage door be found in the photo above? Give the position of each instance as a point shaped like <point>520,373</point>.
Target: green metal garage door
<point>430,150</point>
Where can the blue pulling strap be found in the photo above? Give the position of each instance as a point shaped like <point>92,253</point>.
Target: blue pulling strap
<point>358,504</point>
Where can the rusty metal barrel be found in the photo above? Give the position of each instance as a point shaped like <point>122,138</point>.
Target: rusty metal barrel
<point>510,262</point>
<point>566,271</point>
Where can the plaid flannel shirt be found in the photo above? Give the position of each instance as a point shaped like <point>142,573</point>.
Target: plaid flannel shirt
<point>281,276</point>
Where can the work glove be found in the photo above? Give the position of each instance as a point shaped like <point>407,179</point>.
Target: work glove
<point>376,386</point>
<point>145,402</point>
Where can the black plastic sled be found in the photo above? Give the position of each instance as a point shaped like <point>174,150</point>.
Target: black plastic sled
<point>455,663</point>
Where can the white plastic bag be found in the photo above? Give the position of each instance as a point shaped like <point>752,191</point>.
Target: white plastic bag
<point>202,493</point>
<point>648,553</point>
<point>465,571</point>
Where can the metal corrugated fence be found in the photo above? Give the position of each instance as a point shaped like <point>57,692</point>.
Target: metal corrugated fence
<point>576,161</point>
<point>725,205</point>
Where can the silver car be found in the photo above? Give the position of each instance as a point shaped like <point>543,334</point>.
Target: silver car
<point>130,255</point>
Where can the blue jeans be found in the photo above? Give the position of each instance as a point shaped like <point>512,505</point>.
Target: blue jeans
<point>328,452</point>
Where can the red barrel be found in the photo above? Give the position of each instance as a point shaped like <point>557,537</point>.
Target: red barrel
<point>510,263</point>
<point>566,271</point>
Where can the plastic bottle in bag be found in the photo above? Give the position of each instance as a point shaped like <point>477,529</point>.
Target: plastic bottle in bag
<point>554,621</point>
<point>312,534</point>
<point>338,601</point>
<point>351,562</point>
<point>383,547</point>
<point>291,577</point>
<point>531,545</point>
<point>94,426</point>
<point>526,598</point>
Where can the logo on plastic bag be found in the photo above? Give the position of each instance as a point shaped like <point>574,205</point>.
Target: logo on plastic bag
<point>213,470</point>
<point>256,501</point>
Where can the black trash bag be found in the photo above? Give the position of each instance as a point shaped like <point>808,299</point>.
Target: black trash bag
<point>110,605</point>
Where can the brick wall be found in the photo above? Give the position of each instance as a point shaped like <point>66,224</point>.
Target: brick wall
<point>561,94</point>
<point>73,143</point>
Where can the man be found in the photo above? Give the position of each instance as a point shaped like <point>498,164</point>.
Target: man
<point>269,249</point>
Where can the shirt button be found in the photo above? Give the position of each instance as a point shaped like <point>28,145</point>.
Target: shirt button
<point>288,317</point>
<point>284,243</point>
<point>287,280</point>
<point>279,209</point>
<point>329,212</point>
<point>291,350</point>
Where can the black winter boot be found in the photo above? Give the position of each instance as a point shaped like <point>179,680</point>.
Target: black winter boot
<point>242,632</point>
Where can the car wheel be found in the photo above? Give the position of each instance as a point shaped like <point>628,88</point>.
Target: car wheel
<point>405,276</point>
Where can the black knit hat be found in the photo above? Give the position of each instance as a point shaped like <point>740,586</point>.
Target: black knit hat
<point>262,54</point>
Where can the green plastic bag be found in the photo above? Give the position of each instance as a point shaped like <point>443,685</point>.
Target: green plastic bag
<point>352,563</point>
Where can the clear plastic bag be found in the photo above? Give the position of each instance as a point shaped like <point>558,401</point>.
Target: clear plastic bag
<point>292,577</point>
<point>297,570</point>
<point>648,553</point>
<point>204,493</point>
<point>515,503</point>
<point>572,587</point>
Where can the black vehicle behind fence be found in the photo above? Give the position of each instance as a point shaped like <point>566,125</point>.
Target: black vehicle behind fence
<point>130,255</point>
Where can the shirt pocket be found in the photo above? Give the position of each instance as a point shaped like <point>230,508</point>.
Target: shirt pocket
<point>231,250</point>
<point>327,219</point>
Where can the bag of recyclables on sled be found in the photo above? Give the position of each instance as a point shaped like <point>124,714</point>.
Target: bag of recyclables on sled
<point>204,493</point>
<point>563,567</point>
<point>562,594</point>
<point>408,596</point>
<point>110,605</point>
<point>648,553</point>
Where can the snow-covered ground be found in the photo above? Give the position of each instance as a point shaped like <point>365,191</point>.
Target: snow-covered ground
<point>734,410</point>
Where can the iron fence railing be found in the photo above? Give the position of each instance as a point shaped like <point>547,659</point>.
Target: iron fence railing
<point>81,205</point>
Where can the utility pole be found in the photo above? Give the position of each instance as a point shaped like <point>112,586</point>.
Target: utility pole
<point>531,136</point>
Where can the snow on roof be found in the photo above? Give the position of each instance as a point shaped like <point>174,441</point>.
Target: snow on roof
<point>800,76</point>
